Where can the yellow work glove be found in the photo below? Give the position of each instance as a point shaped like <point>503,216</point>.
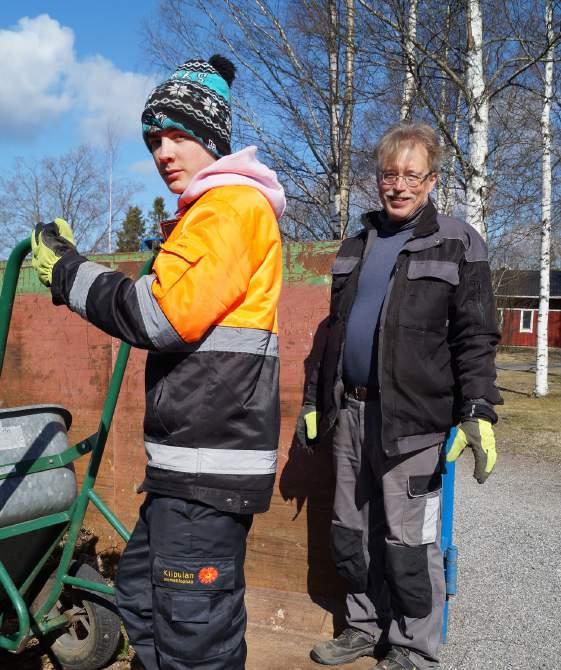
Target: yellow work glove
<point>477,434</point>
<point>50,241</point>
<point>307,426</point>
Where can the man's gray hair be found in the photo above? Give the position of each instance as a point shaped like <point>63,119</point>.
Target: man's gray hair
<point>408,135</point>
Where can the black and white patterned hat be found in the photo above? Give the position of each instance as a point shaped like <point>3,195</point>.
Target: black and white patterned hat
<point>196,100</point>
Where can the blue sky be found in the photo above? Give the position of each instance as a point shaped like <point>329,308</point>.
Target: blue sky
<point>70,70</point>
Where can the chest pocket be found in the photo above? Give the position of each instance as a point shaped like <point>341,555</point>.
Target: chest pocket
<point>429,287</point>
<point>341,272</point>
<point>344,266</point>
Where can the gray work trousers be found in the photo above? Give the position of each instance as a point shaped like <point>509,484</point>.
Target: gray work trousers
<point>385,534</point>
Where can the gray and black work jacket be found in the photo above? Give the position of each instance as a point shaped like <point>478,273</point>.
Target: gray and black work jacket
<point>437,333</point>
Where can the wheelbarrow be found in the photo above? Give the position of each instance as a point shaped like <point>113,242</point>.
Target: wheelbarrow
<point>68,608</point>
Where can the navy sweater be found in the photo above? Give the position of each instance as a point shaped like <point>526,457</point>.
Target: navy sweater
<point>362,328</point>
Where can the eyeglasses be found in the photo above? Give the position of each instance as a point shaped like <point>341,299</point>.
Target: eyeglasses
<point>412,180</point>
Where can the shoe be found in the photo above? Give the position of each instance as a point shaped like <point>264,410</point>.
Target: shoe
<point>347,647</point>
<point>397,658</point>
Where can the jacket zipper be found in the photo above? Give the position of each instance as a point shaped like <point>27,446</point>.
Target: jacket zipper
<point>381,333</point>
<point>339,373</point>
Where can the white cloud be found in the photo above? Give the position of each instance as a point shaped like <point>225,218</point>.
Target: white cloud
<point>145,168</point>
<point>35,57</point>
<point>42,79</point>
<point>108,98</point>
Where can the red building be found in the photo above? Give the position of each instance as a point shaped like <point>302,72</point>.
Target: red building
<point>517,295</point>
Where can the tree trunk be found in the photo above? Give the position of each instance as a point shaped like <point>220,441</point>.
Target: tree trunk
<point>478,114</point>
<point>409,52</point>
<point>446,190</point>
<point>348,104</point>
<point>545,256</point>
<point>334,175</point>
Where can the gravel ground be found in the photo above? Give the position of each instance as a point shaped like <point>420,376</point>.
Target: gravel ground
<point>506,614</point>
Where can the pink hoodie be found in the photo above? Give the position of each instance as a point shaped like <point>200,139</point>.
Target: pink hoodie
<point>239,169</point>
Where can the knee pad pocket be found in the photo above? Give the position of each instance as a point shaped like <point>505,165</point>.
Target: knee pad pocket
<point>407,574</point>
<point>348,554</point>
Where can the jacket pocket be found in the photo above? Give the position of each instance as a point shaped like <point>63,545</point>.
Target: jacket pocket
<point>348,555</point>
<point>342,274</point>
<point>429,287</point>
<point>344,265</point>
<point>186,246</point>
<point>156,372</point>
<point>444,270</point>
<point>422,510</point>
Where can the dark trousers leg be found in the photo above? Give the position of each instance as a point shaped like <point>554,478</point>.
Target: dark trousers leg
<point>414,563</point>
<point>134,591</point>
<point>358,524</point>
<point>194,617</point>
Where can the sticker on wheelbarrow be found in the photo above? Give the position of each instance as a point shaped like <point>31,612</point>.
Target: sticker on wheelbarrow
<point>11,437</point>
<point>193,573</point>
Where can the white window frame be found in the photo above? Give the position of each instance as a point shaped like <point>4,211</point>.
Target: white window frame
<point>531,328</point>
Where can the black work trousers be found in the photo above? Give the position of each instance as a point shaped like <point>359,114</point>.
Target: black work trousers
<point>180,586</point>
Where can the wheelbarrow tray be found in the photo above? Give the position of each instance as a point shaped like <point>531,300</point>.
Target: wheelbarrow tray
<point>26,434</point>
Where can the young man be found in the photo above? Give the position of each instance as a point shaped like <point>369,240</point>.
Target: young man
<point>208,316</point>
<point>410,352</point>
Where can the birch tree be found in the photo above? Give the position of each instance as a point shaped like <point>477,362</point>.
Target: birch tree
<point>318,81</point>
<point>409,53</point>
<point>480,72</point>
<point>545,266</point>
<point>111,150</point>
<point>478,119</point>
<point>347,113</point>
<point>295,92</point>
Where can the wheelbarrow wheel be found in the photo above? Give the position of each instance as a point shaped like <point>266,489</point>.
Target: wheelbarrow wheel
<point>92,638</point>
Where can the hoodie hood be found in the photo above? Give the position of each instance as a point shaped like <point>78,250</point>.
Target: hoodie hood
<point>239,169</point>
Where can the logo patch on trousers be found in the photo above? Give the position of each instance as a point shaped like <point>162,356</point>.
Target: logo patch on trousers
<point>208,574</point>
<point>177,576</point>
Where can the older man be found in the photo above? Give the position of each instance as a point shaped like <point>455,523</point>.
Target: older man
<point>410,352</point>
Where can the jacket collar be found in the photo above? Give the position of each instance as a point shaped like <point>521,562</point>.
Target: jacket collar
<point>426,225</point>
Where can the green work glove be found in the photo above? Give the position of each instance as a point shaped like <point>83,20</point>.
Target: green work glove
<point>307,426</point>
<point>477,434</point>
<point>50,241</point>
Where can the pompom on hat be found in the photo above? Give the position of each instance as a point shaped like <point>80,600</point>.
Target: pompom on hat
<point>196,100</point>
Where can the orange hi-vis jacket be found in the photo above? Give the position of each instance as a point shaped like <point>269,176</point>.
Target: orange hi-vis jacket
<point>208,316</point>
<point>221,265</point>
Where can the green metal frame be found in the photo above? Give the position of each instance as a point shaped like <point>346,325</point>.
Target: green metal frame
<point>40,623</point>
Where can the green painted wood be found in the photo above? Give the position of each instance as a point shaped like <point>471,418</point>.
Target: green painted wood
<point>308,262</point>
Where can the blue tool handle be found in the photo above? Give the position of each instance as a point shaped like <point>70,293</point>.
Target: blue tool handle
<point>449,550</point>
<point>451,570</point>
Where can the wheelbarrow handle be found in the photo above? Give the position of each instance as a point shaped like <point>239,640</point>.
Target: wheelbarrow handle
<point>8,293</point>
